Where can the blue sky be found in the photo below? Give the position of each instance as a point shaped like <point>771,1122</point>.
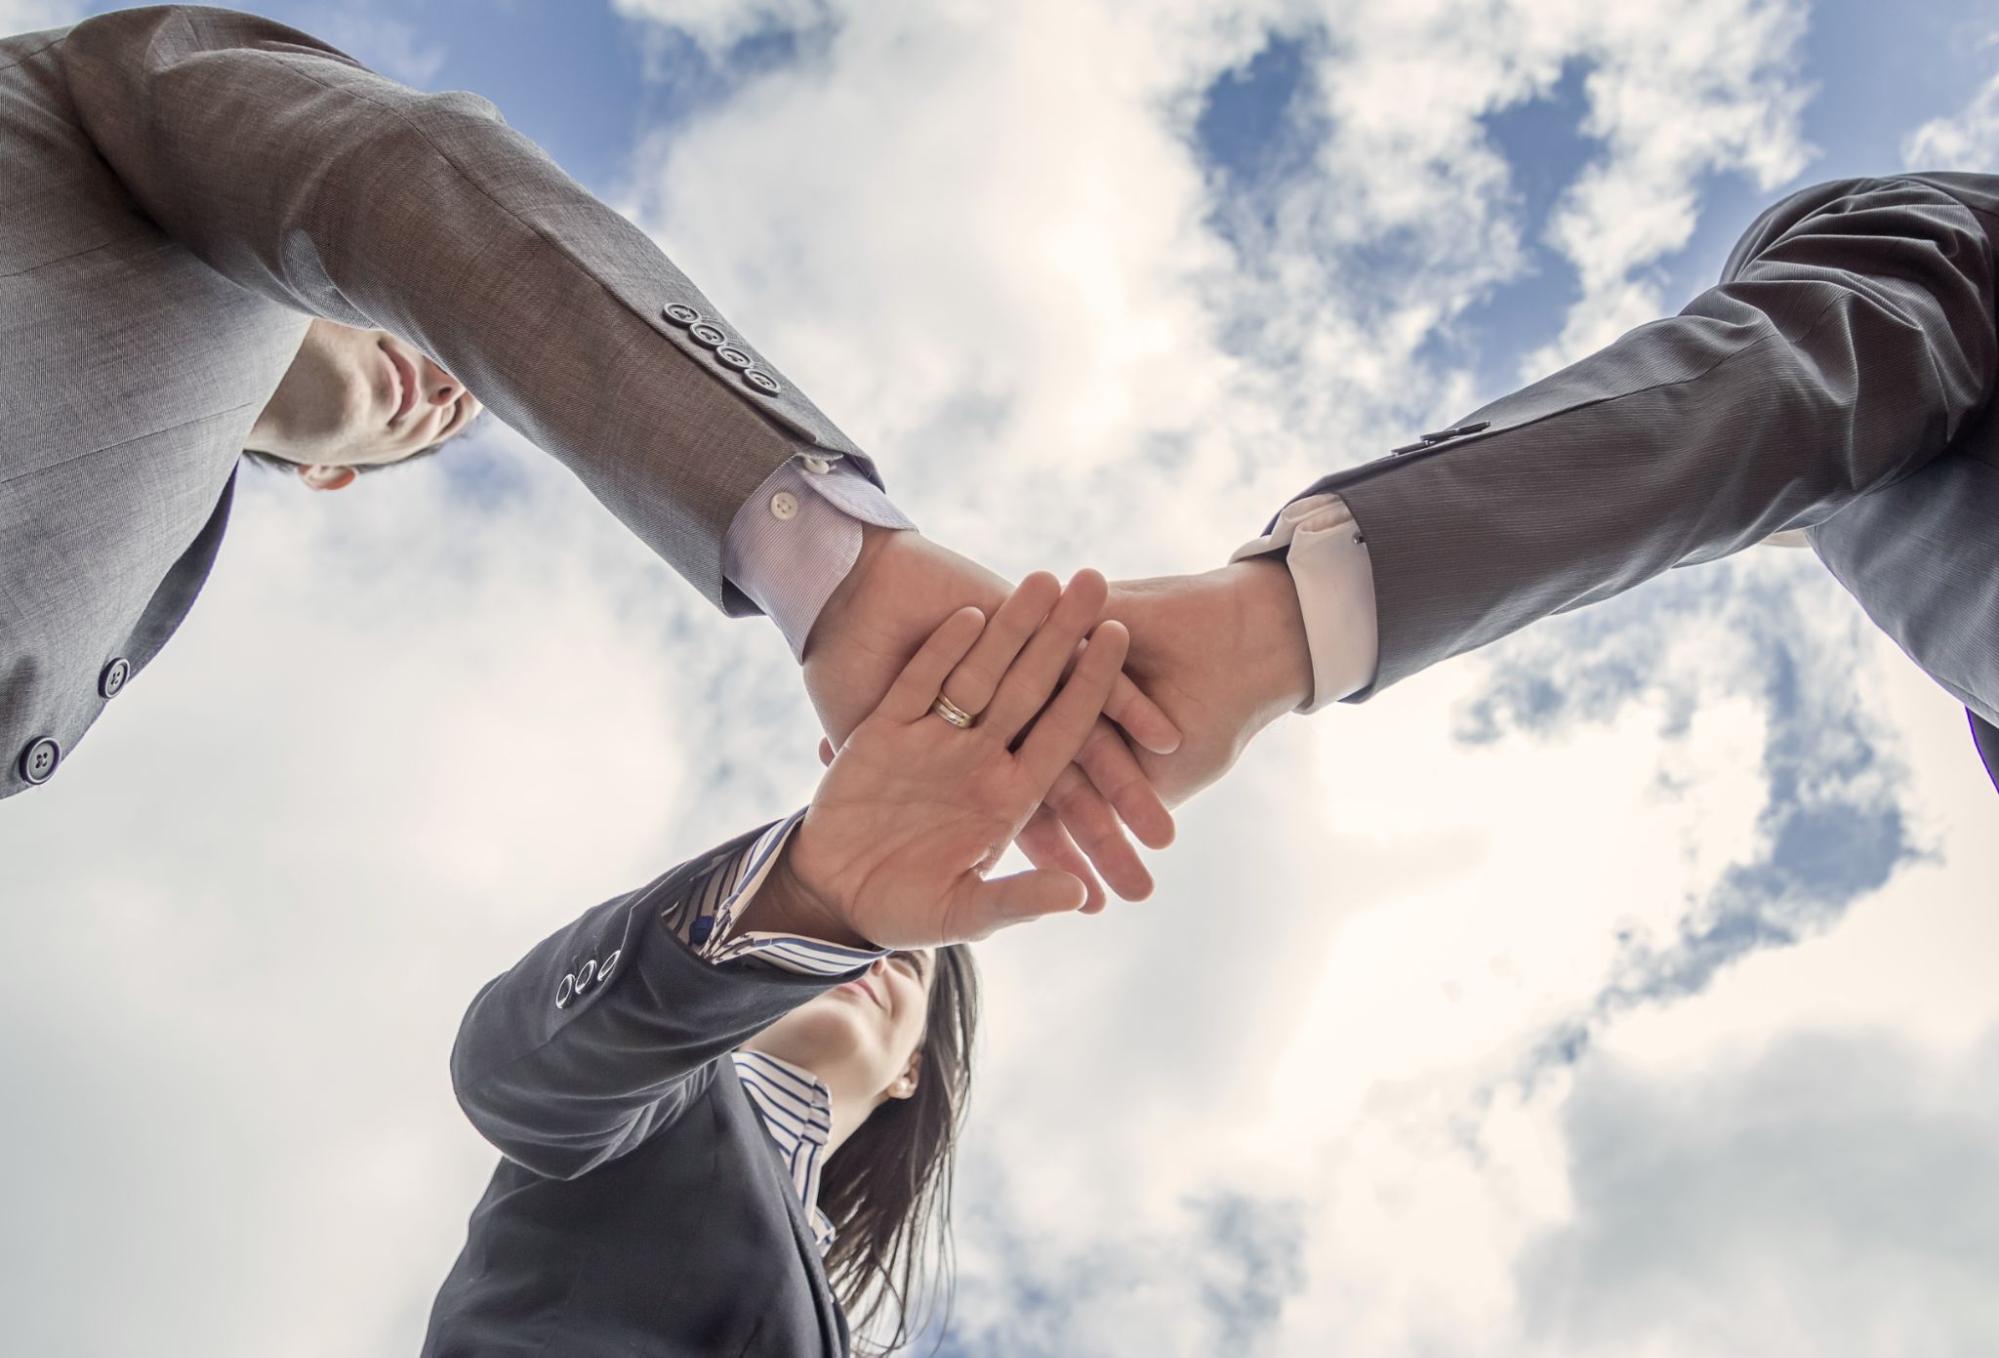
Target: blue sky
<point>1541,1005</point>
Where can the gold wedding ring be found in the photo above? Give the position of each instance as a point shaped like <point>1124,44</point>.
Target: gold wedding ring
<point>951,712</point>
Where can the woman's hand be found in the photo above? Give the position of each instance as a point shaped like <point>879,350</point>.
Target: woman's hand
<point>914,811</point>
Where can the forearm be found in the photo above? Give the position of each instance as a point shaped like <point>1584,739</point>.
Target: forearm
<point>1852,339</point>
<point>327,189</point>
<point>1331,590</point>
<point>606,1029</point>
<point>787,906</point>
<point>799,539</point>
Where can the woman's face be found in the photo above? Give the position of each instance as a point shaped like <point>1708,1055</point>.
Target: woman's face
<point>861,1037</point>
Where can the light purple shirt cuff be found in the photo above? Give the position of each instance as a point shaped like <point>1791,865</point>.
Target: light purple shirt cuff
<point>795,539</point>
<point>1335,583</point>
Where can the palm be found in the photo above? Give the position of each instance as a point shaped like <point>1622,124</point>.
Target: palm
<point>895,847</point>
<point>910,855</point>
<point>902,590</point>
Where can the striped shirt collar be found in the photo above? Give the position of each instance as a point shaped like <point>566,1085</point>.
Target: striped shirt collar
<point>797,1111</point>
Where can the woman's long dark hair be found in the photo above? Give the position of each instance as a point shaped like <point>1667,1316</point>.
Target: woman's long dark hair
<point>887,1190</point>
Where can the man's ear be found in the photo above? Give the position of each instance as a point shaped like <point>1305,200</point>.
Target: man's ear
<point>326,478</point>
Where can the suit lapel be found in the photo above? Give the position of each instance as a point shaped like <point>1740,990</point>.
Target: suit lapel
<point>832,1323</point>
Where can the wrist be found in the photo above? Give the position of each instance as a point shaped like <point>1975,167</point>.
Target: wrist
<point>1280,655</point>
<point>852,586</point>
<point>786,904</point>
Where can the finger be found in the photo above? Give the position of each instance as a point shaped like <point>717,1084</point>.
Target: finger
<point>1061,728</point>
<point>1142,719</point>
<point>916,688</point>
<point>1048,845</point>
<point>825,752</point>
<point>987,906</point>
<point>1114,771</point>
<point>972,684</point>
<point>1033,675</point>
<point>1089,820</point>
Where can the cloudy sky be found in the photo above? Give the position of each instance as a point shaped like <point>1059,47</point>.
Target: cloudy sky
<point>1621,990</point>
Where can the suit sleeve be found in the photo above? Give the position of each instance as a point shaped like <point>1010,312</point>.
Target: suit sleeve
<point>611,1027</point>
<point>313,182</point>
<point>1850,341</point>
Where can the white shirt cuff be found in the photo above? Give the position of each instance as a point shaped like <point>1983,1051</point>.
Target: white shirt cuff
<point>1335,584</point>
<point>793,541</point>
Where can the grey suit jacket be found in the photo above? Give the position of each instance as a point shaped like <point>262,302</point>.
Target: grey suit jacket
<point>181,188</point>
<point>1839,379</point>
<point>641,1209</point>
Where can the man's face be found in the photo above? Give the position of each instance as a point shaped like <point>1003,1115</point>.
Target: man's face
<point>358,398</point>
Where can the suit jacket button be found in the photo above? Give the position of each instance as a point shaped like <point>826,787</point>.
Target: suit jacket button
<point>565,991</point>
<point>681,314</point>
<point>584,974</point>
<point>39,760</point>
<point>707,335</point>
<point>733,357</point>
<point>114,677</point>
<point>759,380</point>
<point>610,960</point>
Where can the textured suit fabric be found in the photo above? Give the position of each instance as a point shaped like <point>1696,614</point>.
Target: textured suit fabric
<point>1839,379</point>
<point>183,189</point>
<point>1986,737</point>
<point>642,1208</point>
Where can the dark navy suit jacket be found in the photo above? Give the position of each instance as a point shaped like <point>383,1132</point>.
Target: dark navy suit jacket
<point>641,1208</point>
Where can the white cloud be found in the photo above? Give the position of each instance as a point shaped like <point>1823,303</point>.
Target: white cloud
<point>719,25</point>
<point>1966,140</point>
<point>1675,97</point>
<point>407,732</point>
<point>26,16</point>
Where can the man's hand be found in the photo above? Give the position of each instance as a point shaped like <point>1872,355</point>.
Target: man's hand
<point>1223,653</point>
<point>899,591</point>
<point>894,850</point>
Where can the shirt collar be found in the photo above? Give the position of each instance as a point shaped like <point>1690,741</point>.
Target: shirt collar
<point>797,1111</point>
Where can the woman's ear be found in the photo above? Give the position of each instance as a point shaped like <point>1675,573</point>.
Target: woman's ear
<point>905,1083</point>
<point>326,478</point>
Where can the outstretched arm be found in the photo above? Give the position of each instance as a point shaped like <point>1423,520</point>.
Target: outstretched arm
<point>1851,340</point>
<point>610,1028</point>
<point>315,183</point>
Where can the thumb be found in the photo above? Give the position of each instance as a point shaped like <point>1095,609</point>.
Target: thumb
<point>989,906</point>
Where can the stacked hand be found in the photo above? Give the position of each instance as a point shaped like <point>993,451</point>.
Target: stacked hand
<point>1213,659</point>
<point>899,591</point>
<point>915,810</point>
<point>1223,654</point>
